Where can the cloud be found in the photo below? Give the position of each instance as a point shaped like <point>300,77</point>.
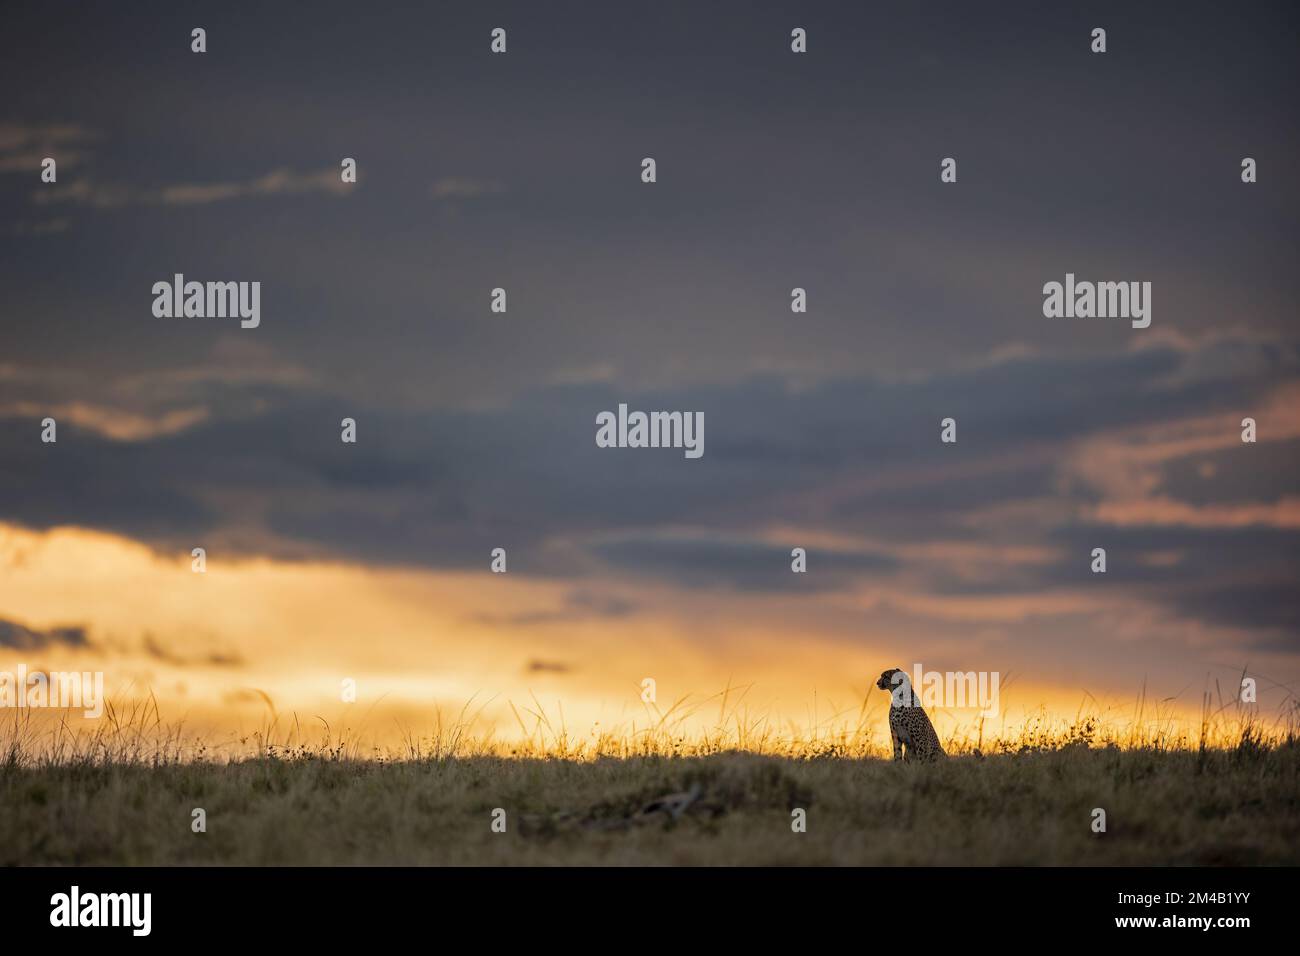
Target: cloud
<point>114,423</point>
<point>853,456</point>
<point>45,227</point>
<point>159,652</point>
<point>22,638</point>
<point>1055,454</point>
<point>579,605</point>
<point>15,136</point>
<point>279,182</point>
<point>733,561</point>
<point>149,404</point>
<point>1161,510</point>
<point>459,187</point>
<point>24,146</point>
<point>547,667</point>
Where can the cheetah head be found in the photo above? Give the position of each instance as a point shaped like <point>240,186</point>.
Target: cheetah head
<point>888,681</point>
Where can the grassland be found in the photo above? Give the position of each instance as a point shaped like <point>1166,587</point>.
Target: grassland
<point>1029,802</point>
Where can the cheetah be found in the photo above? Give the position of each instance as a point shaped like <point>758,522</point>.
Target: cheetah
<point>909,727</point>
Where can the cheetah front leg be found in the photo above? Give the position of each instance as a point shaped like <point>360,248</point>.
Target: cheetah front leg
<point>898,746</point>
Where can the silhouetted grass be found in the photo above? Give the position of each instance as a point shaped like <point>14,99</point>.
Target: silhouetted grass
<point>125,794</point>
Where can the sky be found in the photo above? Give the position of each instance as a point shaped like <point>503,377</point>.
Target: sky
<point>370,561</point>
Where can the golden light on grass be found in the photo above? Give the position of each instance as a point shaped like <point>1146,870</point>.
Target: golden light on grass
<point>253,654</point>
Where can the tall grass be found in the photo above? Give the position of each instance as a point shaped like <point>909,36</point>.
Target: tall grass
<point>133,732</point>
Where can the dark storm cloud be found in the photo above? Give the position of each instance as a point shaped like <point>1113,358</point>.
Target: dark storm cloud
<point>476,430</point>
<point>1240,578</point>
<point>1267,474</point>
<point>547,667</point>
<point>521,171</point>
<point>743,565</point>
<point>98,483</point>
<point>441,489</point>
<point>1236,577</point>
<point>1270,606</point>
<point>579,604</point>
<point>161,652</point>
<point>19,637</point>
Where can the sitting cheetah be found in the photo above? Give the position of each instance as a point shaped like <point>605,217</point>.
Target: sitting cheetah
<point>908,724</point>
